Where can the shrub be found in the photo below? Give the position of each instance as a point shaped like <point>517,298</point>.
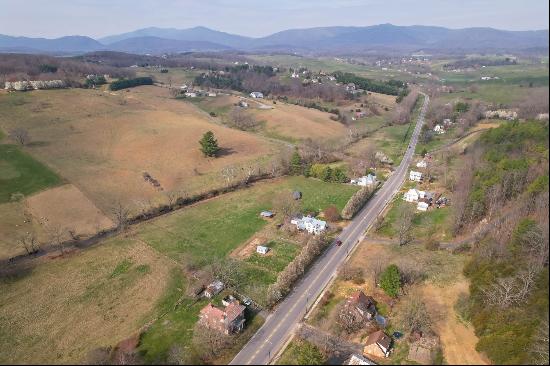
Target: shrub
<point>390,280</point>
<point>331,213</point>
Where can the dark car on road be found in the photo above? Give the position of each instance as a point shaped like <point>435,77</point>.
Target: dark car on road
<point>338,242</point>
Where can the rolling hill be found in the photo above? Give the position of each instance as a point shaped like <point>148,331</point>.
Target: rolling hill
<point>321,39</point>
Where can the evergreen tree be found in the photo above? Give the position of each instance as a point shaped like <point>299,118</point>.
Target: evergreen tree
<point>390,280</point>
<point>327,174</point>
<point>209,144</point>
<point>296,164</point>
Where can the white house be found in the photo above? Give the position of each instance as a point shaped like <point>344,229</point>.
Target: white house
<point>422,206</point>
<point>257,95</point>
<point>184,87</point>
<point>415,176</point>
<point>422,164</point>
<point>294,75</point>
<point>260,249</point>
<point>310,224</point>
<point>211,94</point>
<point>413,195</point>
<point>364,181</point>
<point>190,94</point>
<point>439,129</point>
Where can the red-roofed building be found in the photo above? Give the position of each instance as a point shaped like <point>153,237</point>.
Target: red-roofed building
<point>228,320</point>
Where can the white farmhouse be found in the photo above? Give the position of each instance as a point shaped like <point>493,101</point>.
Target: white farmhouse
<point>439,129</point>
<point>413,195</point>
<point>256,95</point>
<point>422,164</point>
<point>415,176</point>
<point>367,180</point>
<point>310,224</point>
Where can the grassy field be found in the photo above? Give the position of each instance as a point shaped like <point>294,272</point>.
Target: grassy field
<point>211,230</point>
<point>103,141</point>
<point>66,307</point>
<point>284,121</point>
<point>20,173</point>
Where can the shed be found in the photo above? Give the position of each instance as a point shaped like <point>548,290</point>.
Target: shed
<point>214,288</point>
<point>261,249</point>
<point>266,214</point>
<point>297,195</point>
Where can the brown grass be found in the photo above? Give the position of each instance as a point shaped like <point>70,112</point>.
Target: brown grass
<point>67,208</point>
<point>103,141</point>
<point>15,222</point>
<point>295,122</point>
<point>458,341</point>
<point>68,306</point>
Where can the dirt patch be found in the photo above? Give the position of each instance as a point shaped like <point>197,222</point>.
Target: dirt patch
<point>67,208</point>
<point>457,340</point>
<point>249,248</point>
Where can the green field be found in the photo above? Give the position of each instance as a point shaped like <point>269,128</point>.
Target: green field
<point>20,173</point>
<point>211,230</point>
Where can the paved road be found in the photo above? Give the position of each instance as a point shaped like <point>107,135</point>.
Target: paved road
<point>280,324</point>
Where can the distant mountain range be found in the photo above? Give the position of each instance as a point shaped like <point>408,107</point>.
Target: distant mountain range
<point>324,39</point>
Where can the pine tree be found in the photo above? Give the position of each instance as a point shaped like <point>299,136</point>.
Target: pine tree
<point>295,164</point>
<point>209,144</point>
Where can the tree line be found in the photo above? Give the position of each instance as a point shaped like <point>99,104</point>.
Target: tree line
<point>390,87</point>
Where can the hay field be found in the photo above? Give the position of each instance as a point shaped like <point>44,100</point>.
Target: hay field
<point>69,306</point>
<point>102,141</point>
<point>292,122</point>
<point>67,208</point>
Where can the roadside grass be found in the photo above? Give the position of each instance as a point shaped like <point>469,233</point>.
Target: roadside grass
<point>435,222</point>
<point>20,173</point>
<point>301,352</point>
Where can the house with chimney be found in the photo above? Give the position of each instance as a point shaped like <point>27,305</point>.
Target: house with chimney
<point>228,320</point>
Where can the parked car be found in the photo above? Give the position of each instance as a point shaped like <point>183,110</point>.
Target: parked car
<point>338,242</point>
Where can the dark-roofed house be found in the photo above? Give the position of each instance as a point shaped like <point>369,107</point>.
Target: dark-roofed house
<point>229,320</point>
<point>378,345</point>
<point>364,306</point>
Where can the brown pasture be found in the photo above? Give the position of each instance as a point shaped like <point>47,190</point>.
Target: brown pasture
<point>69,306</point>
<point>103,142</point>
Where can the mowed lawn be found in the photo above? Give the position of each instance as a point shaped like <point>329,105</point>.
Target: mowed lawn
<point>20,173</point>
<point>210,230</point>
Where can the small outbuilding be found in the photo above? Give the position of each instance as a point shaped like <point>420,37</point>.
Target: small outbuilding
<point>267,214</point>
<point>260,249</point>
<point>213,289</point>
<point>297,195</point>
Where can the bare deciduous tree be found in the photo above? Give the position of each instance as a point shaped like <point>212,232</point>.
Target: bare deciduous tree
<point>20,136</point>
<point>29,242</point>
<point>285,205</point>
<point>122,215</point>
<point>348,319</point>
<point>210,343</point>
<point>414,315</point>
<point>406,215</point>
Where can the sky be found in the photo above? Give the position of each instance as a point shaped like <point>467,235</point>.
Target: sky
<point>98,18</point>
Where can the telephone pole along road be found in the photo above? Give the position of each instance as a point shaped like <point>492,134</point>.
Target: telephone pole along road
<point>280,324</point>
